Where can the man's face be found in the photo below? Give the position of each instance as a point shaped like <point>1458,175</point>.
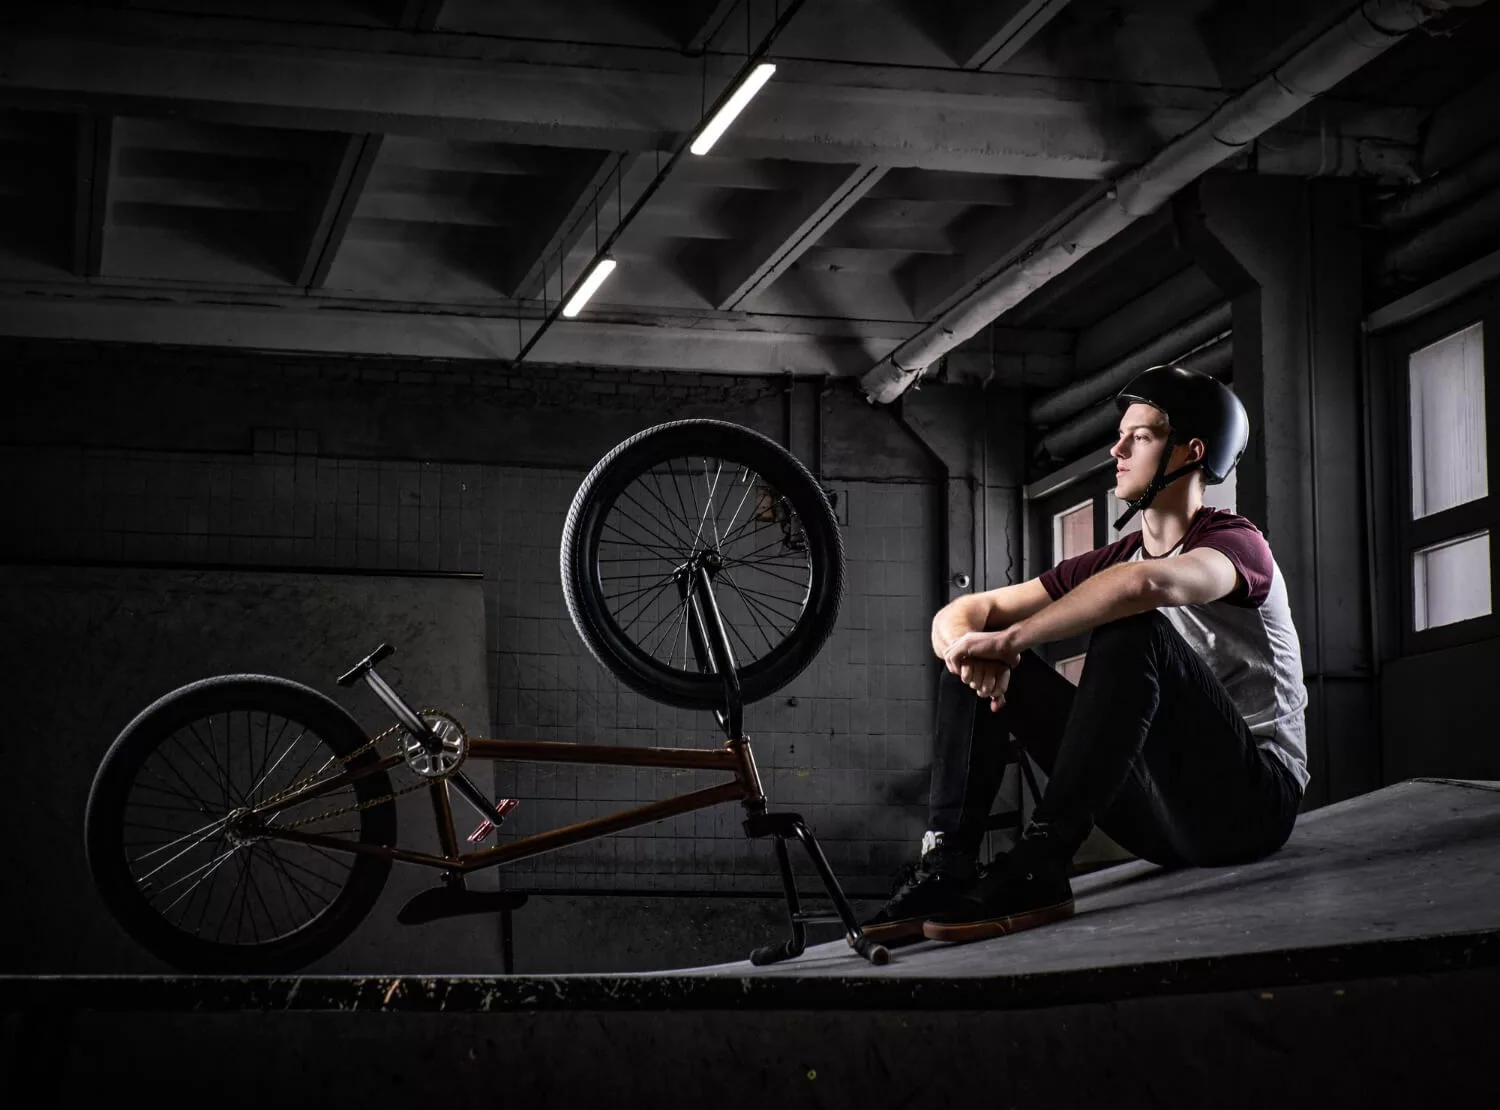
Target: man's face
<point>1139,439</point>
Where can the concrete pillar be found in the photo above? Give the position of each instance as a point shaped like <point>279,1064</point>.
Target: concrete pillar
<point>977,436</point>
<point>1288,254</point>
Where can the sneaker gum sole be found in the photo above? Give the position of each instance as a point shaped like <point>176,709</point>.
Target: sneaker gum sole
<point>893,930</point>
<point>997,926</point>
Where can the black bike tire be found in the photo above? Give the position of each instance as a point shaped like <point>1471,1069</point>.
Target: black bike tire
<point>105,812</point>
<point>582,589</point>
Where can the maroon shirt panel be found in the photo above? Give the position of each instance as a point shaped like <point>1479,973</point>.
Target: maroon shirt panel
<point>1240,541</point>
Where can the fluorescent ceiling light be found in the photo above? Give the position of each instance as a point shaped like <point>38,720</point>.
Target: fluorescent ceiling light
<point>732,107</point>
<point>602,269</point>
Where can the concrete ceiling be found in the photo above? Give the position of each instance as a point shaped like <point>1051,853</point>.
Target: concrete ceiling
<point>422,178</point>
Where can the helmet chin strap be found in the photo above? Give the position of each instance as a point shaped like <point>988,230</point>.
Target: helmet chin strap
<point>1158,482</point>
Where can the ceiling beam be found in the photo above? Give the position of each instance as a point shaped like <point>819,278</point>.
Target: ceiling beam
<point>990,242</point>
<point>700,38</point>
<point>93,163</point>
<point>558,231</point>
<point>331,220</point>
<point>798,225</point>
<point>441,85</point>
<point>309,327</point>
<point>989,35</point>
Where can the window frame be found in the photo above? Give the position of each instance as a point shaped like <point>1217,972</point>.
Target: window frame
<point>1094,486</point>
<point>1412,535</point>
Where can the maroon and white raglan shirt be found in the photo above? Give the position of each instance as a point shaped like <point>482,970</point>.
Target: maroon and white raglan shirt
<point>1247,638</point>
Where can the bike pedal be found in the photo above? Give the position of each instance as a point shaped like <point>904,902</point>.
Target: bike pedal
<point>502,807</point>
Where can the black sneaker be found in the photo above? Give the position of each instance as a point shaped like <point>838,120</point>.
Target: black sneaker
<point>923,891</point>
<point>1026,887</point>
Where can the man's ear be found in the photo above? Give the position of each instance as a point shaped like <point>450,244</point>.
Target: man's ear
<point>1196,449</point>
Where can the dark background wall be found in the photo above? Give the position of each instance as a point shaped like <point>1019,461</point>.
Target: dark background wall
<point>180,513</point>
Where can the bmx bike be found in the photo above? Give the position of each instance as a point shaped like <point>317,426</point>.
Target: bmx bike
<point>246,823</point>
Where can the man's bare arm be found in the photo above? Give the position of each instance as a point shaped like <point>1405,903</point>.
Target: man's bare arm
<point>988,611</point>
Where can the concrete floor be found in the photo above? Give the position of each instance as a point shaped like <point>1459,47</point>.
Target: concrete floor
<point>1399,880</point>
<point>1362,959</point>
<point>1412,862</point>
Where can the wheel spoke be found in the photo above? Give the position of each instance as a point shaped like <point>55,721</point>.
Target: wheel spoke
<point>760,526</point>
<point>765,547</point>
<point>207,831</point>
<point>278,871</point>
<point>734,630</point>
<point>654,533</point>
<point>254,790</point>
<point>161,756</point>
<point>263,773</point>
<point>656,493</point>
<point>703,517</point>
<point>773,574</point>
<point>766,605</point>
<point>766,610</point>
<point>671,635</point>
<point>643,607</point>
<point>671,557</point>
<point>654,627</point>
<point>667,580</point>
<point>210,867</point>
<point>677,489</point>
<point>732,584</point>
<point>225,785</point>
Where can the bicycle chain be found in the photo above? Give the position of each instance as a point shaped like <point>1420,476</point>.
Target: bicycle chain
<point>357,807</point>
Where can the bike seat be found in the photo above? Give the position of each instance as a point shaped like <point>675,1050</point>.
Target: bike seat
<point>446,901</point>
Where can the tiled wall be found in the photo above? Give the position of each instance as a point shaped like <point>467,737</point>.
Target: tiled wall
<point>846,744</point>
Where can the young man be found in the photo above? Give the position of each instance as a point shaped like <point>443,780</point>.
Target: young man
<point>1184,739</point>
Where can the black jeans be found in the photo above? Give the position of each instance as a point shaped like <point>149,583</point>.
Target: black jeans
<point>1148,746</point>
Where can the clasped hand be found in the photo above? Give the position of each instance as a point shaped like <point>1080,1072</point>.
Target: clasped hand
<point>984,661</point>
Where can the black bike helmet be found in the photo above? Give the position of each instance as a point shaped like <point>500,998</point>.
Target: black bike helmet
<point>1196,407</point>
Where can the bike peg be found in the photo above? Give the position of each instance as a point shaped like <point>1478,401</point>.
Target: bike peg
<point>360,669</point>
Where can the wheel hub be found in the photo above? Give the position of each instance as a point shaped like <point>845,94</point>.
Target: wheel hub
<point>242,828</point>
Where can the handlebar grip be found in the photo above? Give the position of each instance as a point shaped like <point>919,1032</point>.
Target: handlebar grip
<point>355,673</point>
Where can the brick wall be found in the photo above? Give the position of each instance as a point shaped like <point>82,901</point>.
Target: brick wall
<point>141,455</point>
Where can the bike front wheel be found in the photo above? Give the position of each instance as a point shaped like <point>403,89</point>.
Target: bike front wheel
<point>177,872</point>
<point>702,494</point>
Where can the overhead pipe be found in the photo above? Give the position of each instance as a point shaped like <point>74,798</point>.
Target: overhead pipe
<point>1074,397</point>
<point>1362,35</point>
<point>1421,203</point>
<point>1097,424</point>
<point>1427,248</point>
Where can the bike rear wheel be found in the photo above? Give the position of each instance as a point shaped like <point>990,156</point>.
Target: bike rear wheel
<point>168,862</point>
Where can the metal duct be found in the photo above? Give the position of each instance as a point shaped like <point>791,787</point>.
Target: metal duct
<point>1427,248</point>
<point>1362,35</point>
<point>1422,203</point>
<point>1074,397</point>
<point>1097,424</point>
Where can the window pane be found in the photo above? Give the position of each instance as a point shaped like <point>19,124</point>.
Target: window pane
<point>1451,581</point>
<point>1447,423</point>
<point>1072,667</point>
<point>1073,531</point>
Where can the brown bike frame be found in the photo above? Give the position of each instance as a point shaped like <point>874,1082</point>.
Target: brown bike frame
<point>734,757</point>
